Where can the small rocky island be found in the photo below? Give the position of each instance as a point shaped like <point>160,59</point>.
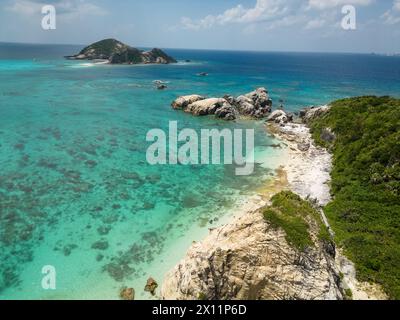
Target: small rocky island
<point>117,52</point>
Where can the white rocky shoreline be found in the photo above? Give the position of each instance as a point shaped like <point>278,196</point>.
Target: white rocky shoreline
<point>308,170</point>
<point>247,259</point>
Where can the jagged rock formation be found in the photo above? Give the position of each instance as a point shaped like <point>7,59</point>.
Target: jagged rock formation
<point>256,104</point>
<point>151,286</point>
<point>250,259</point>
<point>117,52</point>
<point>184,101</point>
<point>218,106</point>
<point>279,116</point>
<point>308,114</point>
<point>127,294</point>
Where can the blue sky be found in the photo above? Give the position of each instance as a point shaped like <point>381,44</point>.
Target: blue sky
<point>277,25</point>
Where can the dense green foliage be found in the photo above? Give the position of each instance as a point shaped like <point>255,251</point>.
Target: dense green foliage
<point>118,52</point>
<point>289,212</point>
<point>365,212</point>
<point>107,47</point>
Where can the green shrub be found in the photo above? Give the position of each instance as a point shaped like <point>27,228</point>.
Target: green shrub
<point>202,296</point>
<point>348,294</point>
<point>289,212</point>
<point>365,212</point>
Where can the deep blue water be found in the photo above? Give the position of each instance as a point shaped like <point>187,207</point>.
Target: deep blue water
<point>76,191</point>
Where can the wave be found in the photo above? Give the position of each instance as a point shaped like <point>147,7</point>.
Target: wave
<point>89,64</point>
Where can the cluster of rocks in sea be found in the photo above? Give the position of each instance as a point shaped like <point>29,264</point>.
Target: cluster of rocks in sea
<point>160,85</point>
<point>256,104</point>
<point>127,293</point>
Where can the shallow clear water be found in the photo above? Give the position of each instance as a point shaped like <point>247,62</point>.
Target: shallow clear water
<point>76,191</point>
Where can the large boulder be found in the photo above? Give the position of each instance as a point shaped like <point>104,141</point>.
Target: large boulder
<point>151,286</point>
<point>127,294</point>
<point>256,104</point>
<point>260,98</point>
<point>213,106</point>
<point>184,101</point>
<point>309,114</point>
<point>327,135</point>
<point>279,117</point>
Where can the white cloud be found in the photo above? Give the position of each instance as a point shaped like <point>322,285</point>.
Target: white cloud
<point>329,20</point>
<point>315,24</point>
<point>328,4</point>
<point>396,5</point>
<point>24,7</point>
<point>287,21</point>
<point>204,23</point>
<point>273,14</point>
<point>392,16</point>
<point>263,10</point>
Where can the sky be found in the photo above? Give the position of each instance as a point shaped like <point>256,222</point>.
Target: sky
<point>264,25</point>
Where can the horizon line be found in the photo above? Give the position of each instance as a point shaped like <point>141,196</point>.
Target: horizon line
<point>213,49</point>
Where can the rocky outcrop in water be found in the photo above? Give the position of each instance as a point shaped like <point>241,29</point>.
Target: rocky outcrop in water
<point>217,106</point>
<point>184,101</point>
<point>127,294</point>
<point>117,52</point>
<point>151,286</point>
<point>256,104</point>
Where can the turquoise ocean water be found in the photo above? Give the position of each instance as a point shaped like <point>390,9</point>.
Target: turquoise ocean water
<point>76,191</point>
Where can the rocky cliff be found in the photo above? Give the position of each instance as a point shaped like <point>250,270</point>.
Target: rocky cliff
<point>253,258</point>
<point>117,52</point>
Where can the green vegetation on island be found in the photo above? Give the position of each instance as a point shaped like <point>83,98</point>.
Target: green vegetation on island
<point>117,52</point>
<point>365,212</point>
<point>294,216</point>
